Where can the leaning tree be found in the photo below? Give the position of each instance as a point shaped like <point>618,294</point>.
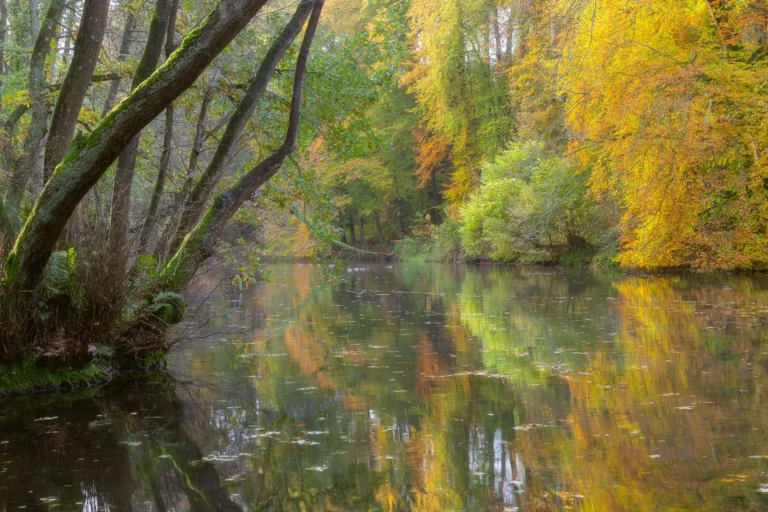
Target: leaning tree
<point>72,164</point>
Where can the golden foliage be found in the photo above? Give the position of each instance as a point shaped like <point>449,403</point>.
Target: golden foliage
<point>669,108</point>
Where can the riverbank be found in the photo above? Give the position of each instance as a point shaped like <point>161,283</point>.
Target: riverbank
<point>33,376</point>
<point>36,375</point>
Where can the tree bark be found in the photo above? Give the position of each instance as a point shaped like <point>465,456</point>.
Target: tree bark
<point>6,226</point>
<point>352,234</point>
<point>377,221</point>
<point>157,193</point>
<point>87,48</point>
<point>165,159</point>
<point>434,213</point>
<point>125,49</point>
<point>197,146</point>
<point>34,18</point>
<point>39,106</point>
<point>497,36</point>
<point>200,243</point>
<point>197,142</point>
<point>88,159</point>
<point>401,220</point>
<point>126,162</point>
<point>3,34</point>
<point>361,223</point>
<point>195,202</point>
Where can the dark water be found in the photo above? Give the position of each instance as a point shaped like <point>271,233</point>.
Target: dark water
<point>425,388</point>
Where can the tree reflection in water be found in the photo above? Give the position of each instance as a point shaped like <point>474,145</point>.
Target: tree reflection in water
<point>425,388</point>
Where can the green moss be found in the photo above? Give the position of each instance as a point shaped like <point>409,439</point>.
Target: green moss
<point>173,272</point>
<point>27,377</point>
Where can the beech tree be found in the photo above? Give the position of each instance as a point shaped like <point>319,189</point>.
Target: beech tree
<point>33,281</point>
<point>89,157</point>
<point>200,242</point>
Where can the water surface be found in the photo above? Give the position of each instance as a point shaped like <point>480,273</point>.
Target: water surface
<point>426,388</point>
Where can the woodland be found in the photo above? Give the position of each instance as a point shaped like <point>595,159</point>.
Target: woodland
<point>143,142</point>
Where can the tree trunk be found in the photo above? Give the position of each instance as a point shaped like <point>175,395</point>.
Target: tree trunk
<point>497,36</point>
<point>125,49</point>
<point>7,228</point>
<point>195,202</point>
<point>70,29</point>
<point>400,217</point>
<point>87,48</point>
<point>165,158</point>
<point>88,159</point>
<point>377,221</point>
<point>200,243</point>
<point>3,33</point>
<point>164,244</point>
<point>157,193</point>
<point>197,143</point>
<point>126,162</point>
<point>63,31</point>
<point>434,212</point>
<point>361,223</point>
<point>34,18</point>
<point>351,226</point>
<point>39,106</point>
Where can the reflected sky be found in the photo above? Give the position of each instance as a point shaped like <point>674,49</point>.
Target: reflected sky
<point>423,387</point>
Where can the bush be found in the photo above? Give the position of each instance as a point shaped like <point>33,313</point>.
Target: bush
<point>446,242</point>
<point>434,243</point>
<point>411,249</point>
<point>532,208</point>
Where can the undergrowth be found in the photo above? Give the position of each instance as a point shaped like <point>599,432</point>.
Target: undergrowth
<point>27,376</point>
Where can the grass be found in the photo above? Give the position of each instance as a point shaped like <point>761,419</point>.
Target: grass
<point>27,377</point>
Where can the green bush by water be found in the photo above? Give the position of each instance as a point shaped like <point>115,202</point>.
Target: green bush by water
<point>28,376</point>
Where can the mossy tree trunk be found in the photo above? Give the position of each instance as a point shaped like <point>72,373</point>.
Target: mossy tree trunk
<point>88,158</point>
<point>197,147</point>
<point>194,203</point>
<point>200,243</point>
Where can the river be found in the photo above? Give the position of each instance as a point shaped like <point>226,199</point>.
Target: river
<point>422,387</point>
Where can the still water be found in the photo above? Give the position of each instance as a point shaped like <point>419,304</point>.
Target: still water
<point>428,388</point>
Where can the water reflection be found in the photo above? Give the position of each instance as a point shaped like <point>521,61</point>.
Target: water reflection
<point>424,388</point>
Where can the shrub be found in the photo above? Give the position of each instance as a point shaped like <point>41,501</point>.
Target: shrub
<point>530,207</point>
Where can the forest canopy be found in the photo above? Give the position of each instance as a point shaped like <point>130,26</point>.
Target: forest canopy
<point>556,131</point>
<point>140,141</point>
